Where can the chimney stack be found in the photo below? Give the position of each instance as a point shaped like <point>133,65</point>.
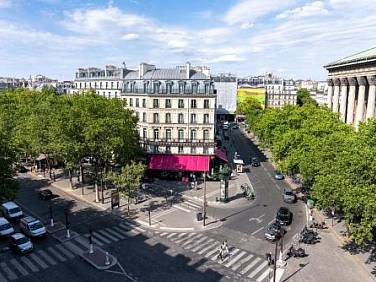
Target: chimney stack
<point>188,70</point>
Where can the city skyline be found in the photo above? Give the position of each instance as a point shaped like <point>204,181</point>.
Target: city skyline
<point>291,38</point>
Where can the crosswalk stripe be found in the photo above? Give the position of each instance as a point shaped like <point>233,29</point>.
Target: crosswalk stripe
<point>39,261</point>
<point>215,250</point>
<point>258,269</point>
<point>65,251</point>
<point>26,261</point>
<point>19,267</point>
<point>229,255</point>
<point>263,276</point>
<point>108,235</point>
<point>241,262</point>
<point>170,235</point>
<point>130,232</point>
<point>72,247</point>
<point>195,243</point>
<point>82,241</point>
<point>2,278</point>
<point>49,259</point>
<point>101,238</point>
<point>9,273</point>
<point>132,226</point>
<point>195,249</point>
<point>163,234</point>
<point>113,232</point>
<point>215,244</point>
<point>249,266</point>
<point>56,254</point>
<point>235,259</point>
<point>182,235</point>
<point>190,240</point>
<point>182,239</point>
<point>127,232</point>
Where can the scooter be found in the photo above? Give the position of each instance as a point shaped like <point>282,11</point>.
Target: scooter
<point>317,225</point>
<point>296,253</point>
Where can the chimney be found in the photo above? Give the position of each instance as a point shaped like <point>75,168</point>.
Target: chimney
<point>188,70</point>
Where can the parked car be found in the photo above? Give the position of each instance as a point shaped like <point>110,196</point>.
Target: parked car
<point>278,175</point>
<point>289,196</point>
<point>45,194</point>
<point>20,243</point>
<point>284,216</point>
<point>235,126</point>
<point>255,161</point>
<point>141,197</point>
<point>32,227</point>
<point>5,227</point>
<point>273,231</point>
<point>11,211</point>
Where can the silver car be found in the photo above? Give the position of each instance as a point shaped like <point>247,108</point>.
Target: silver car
<point>5,227</point>
<point>32,227</point>
<point>289,196</point>
<point>20,243</point>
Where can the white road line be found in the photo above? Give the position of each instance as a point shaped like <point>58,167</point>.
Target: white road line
<point>127,232</point>
<point>171,235</point>
<point>182,234</point>
<point>26,261</point>
<point>241,262</point>
<point>196,237</point>
<point>215,245</point>
<point>9,273</point>
<point>75,249</point>
<point>183,238</point>
<point>100,237</point>
<point>19,267</point>
<point>66,252</point>
<point>249,266</point>
<point>235,259</point>
<point>49,259</point>
<point>258,269</point>
<point>163,234</point>
<point>82,241</point>
<point>108,235</point>
<point>194,244</point>
<point>263,276</point>
<point>193,204</point>
<point>181,208</point>
<point>56,254</point>
<point>211,252</point>
<point>86,242</point>
<point>258,230</point>
<point>132,226</point>
<point>2,278</point>
<point>113,232</point>
<point>202,245</point>
<point>132,231</point>
<point>39,261</point>
<point>228,257</point>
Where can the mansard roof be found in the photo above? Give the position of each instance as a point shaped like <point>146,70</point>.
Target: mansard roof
<point>167,74</point>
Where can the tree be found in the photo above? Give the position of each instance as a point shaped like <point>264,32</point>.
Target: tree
<point>303,97</point>
<point>128,180</point>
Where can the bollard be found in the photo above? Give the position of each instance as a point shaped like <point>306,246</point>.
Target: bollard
<point>51,216</point>
<point>107,262</point>
<point>91,249</point>
<point>68,233</point>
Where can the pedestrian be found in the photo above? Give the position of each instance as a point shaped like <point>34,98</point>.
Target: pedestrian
<point>220,253</point>
<point>269,258</point>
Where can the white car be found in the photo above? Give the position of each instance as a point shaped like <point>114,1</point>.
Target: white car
<point>5,227</point>
<point>20,243</point>
<point>32,227</point>
<point>11,211</point>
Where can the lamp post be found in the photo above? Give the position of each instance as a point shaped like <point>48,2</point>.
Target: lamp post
<point>204,221</point>
<point>67,224</point>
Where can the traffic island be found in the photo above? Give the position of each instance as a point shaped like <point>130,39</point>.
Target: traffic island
<point>99,258</point>
<point>58,226</point>
<point>62,237</point>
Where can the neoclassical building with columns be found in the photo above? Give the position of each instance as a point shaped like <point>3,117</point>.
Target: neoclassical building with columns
<point>352,87</point>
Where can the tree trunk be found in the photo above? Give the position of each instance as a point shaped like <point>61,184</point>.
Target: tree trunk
<point>70,178</point>
<point>81,173</point>
<point>48,166</point>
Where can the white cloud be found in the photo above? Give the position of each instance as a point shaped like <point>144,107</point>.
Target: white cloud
<point>227,58</point>
<point>246,11</point>
<point>5,3</point>
<point>316,8</point>
<point>130,36</point>
<point>247,25</point>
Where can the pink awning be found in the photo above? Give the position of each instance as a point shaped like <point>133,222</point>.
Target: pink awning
<point>179,162</point>
<point>221,153</point>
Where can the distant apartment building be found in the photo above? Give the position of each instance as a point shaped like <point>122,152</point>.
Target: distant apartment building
<point>252,81</point>
<point>65,87</point>
<point>11,83</point>
<point>317,89</point>
<point>279,92</point>
<point>226,87</point>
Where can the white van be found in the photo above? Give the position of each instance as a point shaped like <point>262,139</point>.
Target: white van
<point>5,227</point>
<point>11,211</point>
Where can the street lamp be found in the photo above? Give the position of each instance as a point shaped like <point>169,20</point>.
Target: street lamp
<point>204,221</point>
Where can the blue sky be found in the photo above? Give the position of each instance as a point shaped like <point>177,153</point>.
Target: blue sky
<point>293,38</point>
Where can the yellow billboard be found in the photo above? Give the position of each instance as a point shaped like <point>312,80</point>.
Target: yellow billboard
<point>258,94</point>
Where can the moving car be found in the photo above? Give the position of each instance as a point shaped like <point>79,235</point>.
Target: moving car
<point>273,231</point>
<point>5,227</point>
<point>284,216</point>
<point>278,175</point>
<point>11,211</point>
<point>45,194</point>
<point>32,227</point>
<point>20,243</point>
<point>289,196</point>
<point>255,161</point>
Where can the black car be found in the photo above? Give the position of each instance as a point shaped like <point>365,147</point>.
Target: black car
<point>274,231</point>
<point>255,161</point>
<point>284,216</point>
<point>45,194</point>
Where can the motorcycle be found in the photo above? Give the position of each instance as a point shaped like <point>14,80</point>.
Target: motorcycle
<point>317,225</point>
<point>296,253</point>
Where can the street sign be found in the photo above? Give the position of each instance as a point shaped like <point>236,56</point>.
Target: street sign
<point>115,199</point>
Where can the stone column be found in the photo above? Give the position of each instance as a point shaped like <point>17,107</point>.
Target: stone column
<point>330,93</point>
<point>371,97</point>
<point>343,99</point>
<point>362,81</point>
<point>351,101</point>
<point>337,83</point>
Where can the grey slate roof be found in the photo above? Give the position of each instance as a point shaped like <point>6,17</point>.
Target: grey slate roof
<point>166,74</point>
<point>360,57</point>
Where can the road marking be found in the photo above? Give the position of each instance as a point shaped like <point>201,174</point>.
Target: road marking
<point>241,262</point>
<point>127,232</point>
<point>263,276</point>
<point>196,237</point>
<point>162,213</point>
<point>65,251</point>
<point>100,237</point>
<point>113,232</point>
<point>229,255</point>
<point>82,241</point>
<point>178,228</point>
<point>132,230</point>
<point>26,261</point>
<point>258,269</point>
<point>181,208</point>
<point>132,226</point>
<point>170,235</point>
<point>258,230</point>
<point>108,235</point>
<point>94,239</point>
<point>195,249</point>
<point>215,244</point>
<point>38,261</point>
<point>2,278</point>
<point>235,259</point>
<point>75,249</point>
<point>19,267</point>
<point>249,266</point>
<point>56,254</point>
<point>182,235</point>
<point>258,219</point>
<point>212,252</point>
<point>163,234</point>
<point>181,239</point>
<point>198,242</point>
<point>49,259</point>
<point>9,273</point>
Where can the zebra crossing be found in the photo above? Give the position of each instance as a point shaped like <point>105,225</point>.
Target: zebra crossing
<point>41,259</point>
<point>188,206</point>
<point>240,261</point>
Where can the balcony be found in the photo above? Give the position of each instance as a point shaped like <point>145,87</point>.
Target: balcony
<point>179,142</point>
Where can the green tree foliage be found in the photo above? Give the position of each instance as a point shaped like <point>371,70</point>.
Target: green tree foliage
<point>304,97</point>
<point>338,163</point>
